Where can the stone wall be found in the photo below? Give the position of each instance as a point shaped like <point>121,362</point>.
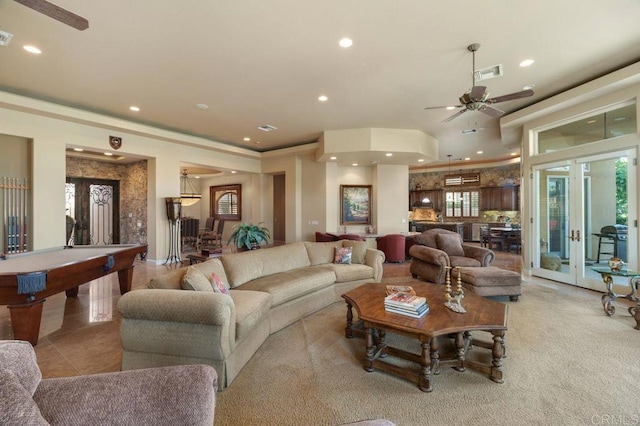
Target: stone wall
<point>133,192</point>
<point>492,176</point>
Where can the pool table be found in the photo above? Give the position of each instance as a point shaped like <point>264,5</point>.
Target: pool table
<point>65,268</point>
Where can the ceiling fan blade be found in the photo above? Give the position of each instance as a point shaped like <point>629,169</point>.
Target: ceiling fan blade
<point>510,97</point>
<point>493,112</point>
<point>477,92</point>
<point>457,114</point>
<point>448,106</point>
<point>57,13</point>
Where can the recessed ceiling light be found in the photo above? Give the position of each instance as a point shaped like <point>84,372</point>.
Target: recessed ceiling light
<point>78,149</point>
<point>346,42</point>
<point>591,121</point>
<point>202,106</point>
<point>323,98</point>
<point>246,139</point>
<point>514,153</point>
<point>333,158</point>
<point>451,107</point>
<point>421,160</point>
<point>528,87</point>
<point>258,142</point>
<point>526,62</point>
<point>134,108</point>
<point>467,159</point>
<point>480,152</point>
<point>354,164</point>
<point>32,49</point>
<point>109,154</point>
<point>388,154</point>
<point>233,172</point>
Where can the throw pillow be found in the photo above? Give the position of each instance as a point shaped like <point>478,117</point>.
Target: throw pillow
<point>218,285</point>
<point>450,244</point>
<point>358,250</point>
<point>343,255</point>
<point>195,280</point>
<point>19,357</point>
<point>16,404</point>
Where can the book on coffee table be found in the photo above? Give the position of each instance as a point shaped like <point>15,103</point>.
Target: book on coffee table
<point>414,314</point>
<point>404,300</point>
<point>400,289</point>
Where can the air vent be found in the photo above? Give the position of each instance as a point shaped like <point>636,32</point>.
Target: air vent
<point>462,179</point>
<point>488,73</point>
<point>5,38</point>
<point>267,128</point>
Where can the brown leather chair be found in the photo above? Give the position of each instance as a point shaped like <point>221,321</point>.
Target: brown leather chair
<point>393,247</point>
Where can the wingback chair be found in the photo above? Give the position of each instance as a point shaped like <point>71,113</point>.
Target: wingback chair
<point>437,248</point>
<point>183,394</point>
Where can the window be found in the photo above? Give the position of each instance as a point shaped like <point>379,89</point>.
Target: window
<point>226,202</point>
<point>462,204</point>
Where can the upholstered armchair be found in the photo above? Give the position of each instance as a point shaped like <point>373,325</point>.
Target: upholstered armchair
<point>178,395</point>
<point>436,249</point>
<point>393,247</point>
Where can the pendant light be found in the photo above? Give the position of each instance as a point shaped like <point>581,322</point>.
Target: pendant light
<point>188,193</point>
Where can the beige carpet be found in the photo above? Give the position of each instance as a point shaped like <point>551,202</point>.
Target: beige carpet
<point>567,364</point>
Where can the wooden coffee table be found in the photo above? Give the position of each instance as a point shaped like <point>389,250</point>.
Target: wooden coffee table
<point>482,315</point>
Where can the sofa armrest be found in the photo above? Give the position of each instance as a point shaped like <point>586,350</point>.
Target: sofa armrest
<point>182,395</point>
<point>375,259</point>
<point>481,254</point>
<point>199,323</point>
<point>429,255</point>
<point>195,307</point>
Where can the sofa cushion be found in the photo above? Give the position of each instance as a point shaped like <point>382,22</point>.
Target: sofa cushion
<point>343,255</point>
<point>19,357</point>
<point>289,285</point>
<point>358,252</point>
<point>322,253</point>
<point>249,265</point>
<point>463,261</point>
<point>195,280</point>
<point>17,406</point>
<point>213,266</point>
<point>450,244</point>
<point>353,272</point>
<point>251,308</point>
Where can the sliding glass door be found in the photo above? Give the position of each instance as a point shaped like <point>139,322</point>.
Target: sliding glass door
<point>581,218</point>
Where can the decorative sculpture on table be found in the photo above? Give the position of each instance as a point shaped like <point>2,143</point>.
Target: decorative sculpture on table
<point>454,299</point>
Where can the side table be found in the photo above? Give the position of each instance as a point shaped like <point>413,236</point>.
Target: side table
<point>608,298</point>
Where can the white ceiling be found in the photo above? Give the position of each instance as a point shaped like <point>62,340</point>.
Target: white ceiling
<point>256,62</point>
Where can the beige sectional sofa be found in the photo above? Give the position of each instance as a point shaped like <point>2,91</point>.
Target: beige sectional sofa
<point>268,290</point>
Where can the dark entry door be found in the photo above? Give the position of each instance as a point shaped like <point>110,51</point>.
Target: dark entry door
<point>94,204</point>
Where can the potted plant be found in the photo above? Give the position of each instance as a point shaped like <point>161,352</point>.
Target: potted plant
<point>247,236</point>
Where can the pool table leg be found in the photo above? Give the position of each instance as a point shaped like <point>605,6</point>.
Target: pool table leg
<point>125,277</point>
<point>25,320</point>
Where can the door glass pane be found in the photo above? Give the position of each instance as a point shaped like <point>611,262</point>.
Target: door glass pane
<point>554,213</point>
<point>101,214</point>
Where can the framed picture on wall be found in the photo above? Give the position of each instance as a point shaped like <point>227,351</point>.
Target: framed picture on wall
<point>355,205</point>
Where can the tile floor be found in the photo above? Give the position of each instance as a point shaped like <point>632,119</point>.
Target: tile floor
<point>81,335</point>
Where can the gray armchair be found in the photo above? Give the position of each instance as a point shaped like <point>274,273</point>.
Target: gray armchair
<point>436,249</point>
<point>183,395</point>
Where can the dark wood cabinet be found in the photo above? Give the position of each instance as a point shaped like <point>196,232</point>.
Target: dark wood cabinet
<point>467,234</point>
<point>500,198</point>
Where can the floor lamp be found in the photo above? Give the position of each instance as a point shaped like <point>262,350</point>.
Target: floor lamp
<point>174,212</point>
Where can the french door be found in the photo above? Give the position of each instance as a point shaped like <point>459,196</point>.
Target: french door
<point>93,204</point>
<point>573,201</point>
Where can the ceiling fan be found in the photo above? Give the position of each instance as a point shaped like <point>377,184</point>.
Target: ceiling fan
<point>477,98</point>
<point>57,13</point>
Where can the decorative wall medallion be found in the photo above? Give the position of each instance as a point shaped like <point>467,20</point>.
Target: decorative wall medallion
<point>115,142</point>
